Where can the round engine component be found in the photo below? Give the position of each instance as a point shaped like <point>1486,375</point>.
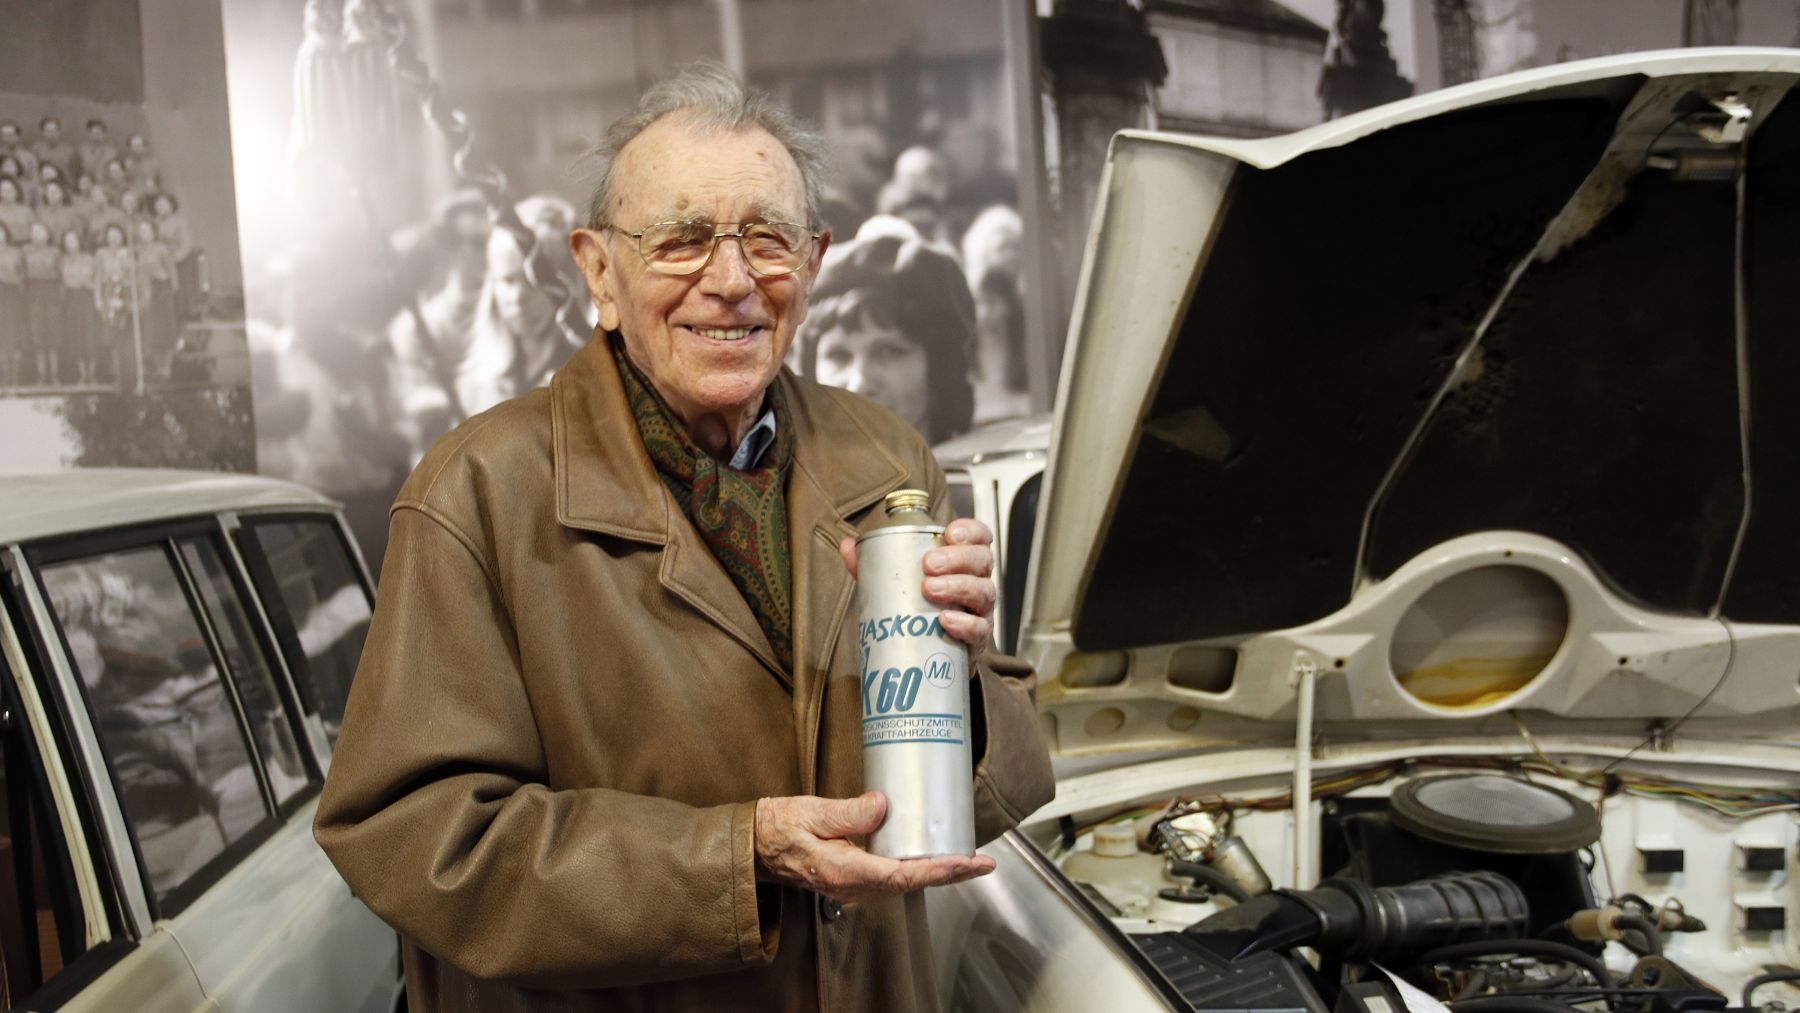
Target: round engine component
<point>1495,813</point>
<point>1126,876</point>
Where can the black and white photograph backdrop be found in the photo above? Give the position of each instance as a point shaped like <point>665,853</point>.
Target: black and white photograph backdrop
<point>121,302</point>
<point>307,237</point>
<point>406,167</point>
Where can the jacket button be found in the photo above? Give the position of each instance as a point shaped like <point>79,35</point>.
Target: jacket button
<point>830,910</point>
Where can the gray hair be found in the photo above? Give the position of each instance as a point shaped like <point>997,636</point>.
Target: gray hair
<point>711,99</point>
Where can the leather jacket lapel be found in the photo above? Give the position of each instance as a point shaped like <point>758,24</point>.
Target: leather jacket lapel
<point>606,483</point>
<point>839,471</point>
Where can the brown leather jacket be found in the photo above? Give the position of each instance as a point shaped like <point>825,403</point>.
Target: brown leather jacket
<point>549,764</point>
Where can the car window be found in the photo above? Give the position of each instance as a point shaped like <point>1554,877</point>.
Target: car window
<point>41,928</point>
<point>250,672</point>
<point>327,608</point>
<point>166,720</point>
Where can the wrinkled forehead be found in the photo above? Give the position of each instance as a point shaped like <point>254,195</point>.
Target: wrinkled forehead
<point>677,170</point>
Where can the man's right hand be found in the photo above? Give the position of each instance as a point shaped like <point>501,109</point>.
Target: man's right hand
<point>802,840</point>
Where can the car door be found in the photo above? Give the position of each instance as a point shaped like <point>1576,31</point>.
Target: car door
<point>63,941</point>
<point>215,766</point>
<point>289,927</point>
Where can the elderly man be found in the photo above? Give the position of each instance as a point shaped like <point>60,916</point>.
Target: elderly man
<point>603,751</point>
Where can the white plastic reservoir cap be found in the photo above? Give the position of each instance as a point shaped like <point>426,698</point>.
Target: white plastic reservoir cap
<point>1115,840</point>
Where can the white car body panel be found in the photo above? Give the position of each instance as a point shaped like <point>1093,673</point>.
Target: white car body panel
<point>153,978</point>
<point>1130,305</point>
<point>279,931</point>
<point>282,932</point>
<point>92,499</point>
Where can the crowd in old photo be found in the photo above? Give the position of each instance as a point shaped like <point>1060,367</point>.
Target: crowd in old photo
<point>99,272</point>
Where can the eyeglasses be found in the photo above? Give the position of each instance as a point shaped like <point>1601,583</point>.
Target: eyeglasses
<point>680,248</point>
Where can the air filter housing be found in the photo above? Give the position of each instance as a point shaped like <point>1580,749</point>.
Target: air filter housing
<point>1463,822</point>
<point>1495,813</point>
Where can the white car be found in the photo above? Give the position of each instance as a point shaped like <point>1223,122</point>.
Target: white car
<point>175,649</point>
<point>1412,572</point>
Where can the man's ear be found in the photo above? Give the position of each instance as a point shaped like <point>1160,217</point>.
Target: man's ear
<point>595,257</point>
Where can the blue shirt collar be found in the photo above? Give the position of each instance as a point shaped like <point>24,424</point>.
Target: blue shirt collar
<point>755,443</point>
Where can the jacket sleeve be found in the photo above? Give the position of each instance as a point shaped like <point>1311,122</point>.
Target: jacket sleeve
<point>1013,778</point>
<point>1012,766</point>
<point>437,814</point>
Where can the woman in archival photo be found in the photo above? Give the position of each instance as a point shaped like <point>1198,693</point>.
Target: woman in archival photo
<point>15,215</point>
<point>115,294</point>
<point>43,303</point>
<point>172,229</point>
<point>517,342</point>
<point>156,298</point>
<point>892,319</point>
<point>80,310</point>
<point>15,330</point>
<point>55,211</point>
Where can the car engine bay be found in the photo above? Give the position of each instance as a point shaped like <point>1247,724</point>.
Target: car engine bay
<point>1473,884</point>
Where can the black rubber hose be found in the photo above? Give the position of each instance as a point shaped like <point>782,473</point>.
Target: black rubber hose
<point>1763,979</point>
<point>1509,1004</point>
<point>1532,947</point>
<point>1644,927</point>
<point>1211,877</point>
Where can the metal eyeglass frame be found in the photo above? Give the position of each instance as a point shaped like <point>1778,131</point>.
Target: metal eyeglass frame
<point>719,232</point>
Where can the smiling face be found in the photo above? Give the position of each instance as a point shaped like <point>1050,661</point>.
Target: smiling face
<point>710,342</point>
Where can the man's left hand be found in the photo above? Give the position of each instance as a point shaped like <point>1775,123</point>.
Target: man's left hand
<point>958,579</point>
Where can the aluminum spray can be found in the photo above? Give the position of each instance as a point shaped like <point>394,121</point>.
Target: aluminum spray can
<point>915,692</point>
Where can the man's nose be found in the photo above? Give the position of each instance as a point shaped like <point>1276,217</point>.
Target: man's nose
<point>727,275</point>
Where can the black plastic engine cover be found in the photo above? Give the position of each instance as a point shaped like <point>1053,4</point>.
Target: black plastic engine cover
<point>1263,981</point>
<point>1369,848</point>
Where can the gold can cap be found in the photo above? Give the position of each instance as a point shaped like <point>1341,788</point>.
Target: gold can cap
<point>907,499</point>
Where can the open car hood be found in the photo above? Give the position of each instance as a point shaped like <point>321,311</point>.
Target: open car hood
<point>1478,402</point>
